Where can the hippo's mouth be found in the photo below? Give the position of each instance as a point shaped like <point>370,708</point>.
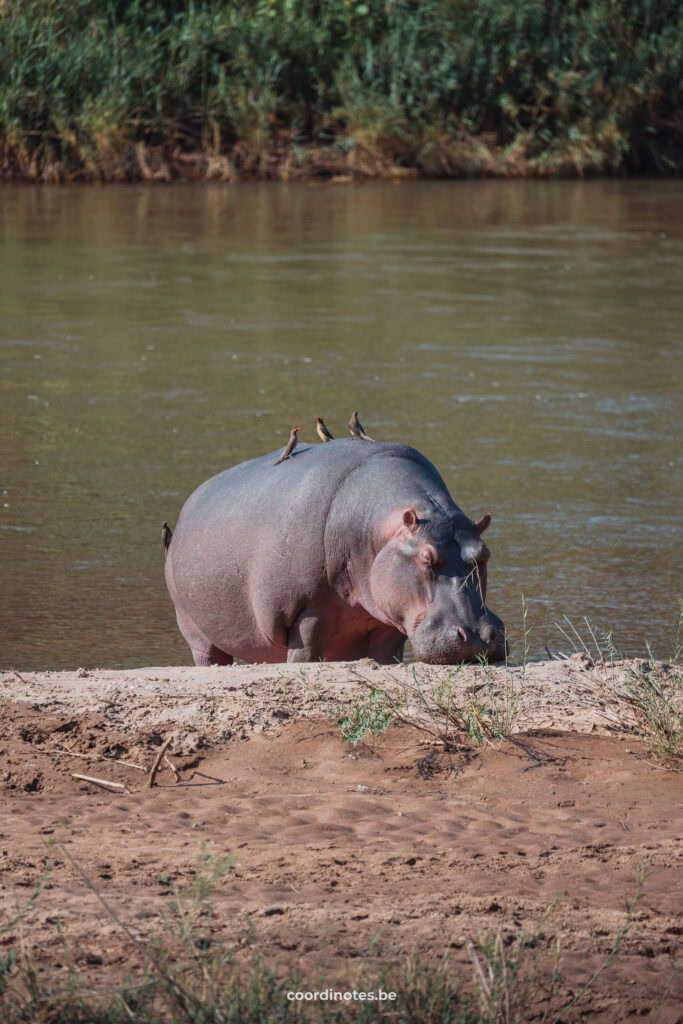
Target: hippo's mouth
<point>456,658</point>
<point>458,647</point>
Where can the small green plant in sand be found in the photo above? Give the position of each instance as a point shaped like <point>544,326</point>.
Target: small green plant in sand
<point>644,696</point>
<point>442,709</point>
<point>436,709</point>
<point>370,714</point>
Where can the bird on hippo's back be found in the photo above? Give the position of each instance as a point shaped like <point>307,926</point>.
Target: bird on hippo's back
<point>356,428</point>
<point>291,445</point>
<point>321,430</point>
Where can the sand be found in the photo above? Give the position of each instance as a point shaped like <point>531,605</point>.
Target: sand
<point>343,855</point>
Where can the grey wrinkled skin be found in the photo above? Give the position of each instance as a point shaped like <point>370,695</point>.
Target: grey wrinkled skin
<point>341,552</point>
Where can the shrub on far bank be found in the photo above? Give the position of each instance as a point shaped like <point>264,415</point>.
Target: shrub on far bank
<point>129,89</point>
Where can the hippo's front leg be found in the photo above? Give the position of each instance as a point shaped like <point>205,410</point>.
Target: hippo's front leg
<point>307,636</point>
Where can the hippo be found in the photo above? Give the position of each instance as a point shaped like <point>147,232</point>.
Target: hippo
<point>343,551</point>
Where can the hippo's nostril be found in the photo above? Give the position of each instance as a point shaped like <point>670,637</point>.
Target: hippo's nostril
<point>488,633</point>
<point>462,634</point>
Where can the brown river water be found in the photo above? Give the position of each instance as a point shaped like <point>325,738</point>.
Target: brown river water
<point>525,336</point>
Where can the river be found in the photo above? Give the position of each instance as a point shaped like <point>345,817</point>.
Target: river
<point>525,336</point>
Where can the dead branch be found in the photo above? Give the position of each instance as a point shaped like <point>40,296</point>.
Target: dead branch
<point>157,762</point>
<point>98,757</point>
<point>105,783</point>
<point>173,768</point>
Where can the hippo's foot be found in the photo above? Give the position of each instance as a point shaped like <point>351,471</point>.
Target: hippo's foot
<point>386,646</point>
<point>212,656</point>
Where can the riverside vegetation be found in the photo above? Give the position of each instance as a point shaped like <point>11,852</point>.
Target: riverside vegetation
<point>186,978</point>
<point>643,698</point>
<point>139,89</point>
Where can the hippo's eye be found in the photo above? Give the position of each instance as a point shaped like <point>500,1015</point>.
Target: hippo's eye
<point>430,558</point>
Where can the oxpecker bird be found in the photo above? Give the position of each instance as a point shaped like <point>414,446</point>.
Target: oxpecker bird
<point>291,445</point>
<point>166,535</point>
<point>356,429</point>
<point>323,432</point>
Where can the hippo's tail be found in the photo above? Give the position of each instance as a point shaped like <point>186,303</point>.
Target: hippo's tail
<point>166,536</point>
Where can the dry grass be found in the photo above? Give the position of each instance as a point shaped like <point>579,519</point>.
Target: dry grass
<point>644,697</point>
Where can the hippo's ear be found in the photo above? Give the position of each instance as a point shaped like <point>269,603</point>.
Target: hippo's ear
<point>483,523</point>
<point>410,519</point>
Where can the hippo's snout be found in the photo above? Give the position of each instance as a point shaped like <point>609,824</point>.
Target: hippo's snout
<point>452,645</point>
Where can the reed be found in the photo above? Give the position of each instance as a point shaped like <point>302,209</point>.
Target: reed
<point>133,89</point>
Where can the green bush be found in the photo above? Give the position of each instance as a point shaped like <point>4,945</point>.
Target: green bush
<point>552,86</point>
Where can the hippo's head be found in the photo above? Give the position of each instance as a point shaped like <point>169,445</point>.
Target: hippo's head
<point>429,580</point>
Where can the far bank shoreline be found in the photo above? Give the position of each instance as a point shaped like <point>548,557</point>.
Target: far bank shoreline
<point>474,159</point>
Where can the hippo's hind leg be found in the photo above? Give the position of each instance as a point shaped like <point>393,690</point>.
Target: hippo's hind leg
<point>203,651</point>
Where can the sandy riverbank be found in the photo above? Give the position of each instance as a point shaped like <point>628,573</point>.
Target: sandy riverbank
<point>243,700</point>
<point>342,854</point>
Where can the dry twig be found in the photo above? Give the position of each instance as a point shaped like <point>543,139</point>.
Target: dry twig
<point>157,762</point>
<point>105,783</point>
<point>173,768</point>
<point>98,757</point>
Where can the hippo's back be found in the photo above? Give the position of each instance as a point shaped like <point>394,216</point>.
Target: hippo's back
<point>257,494</point>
